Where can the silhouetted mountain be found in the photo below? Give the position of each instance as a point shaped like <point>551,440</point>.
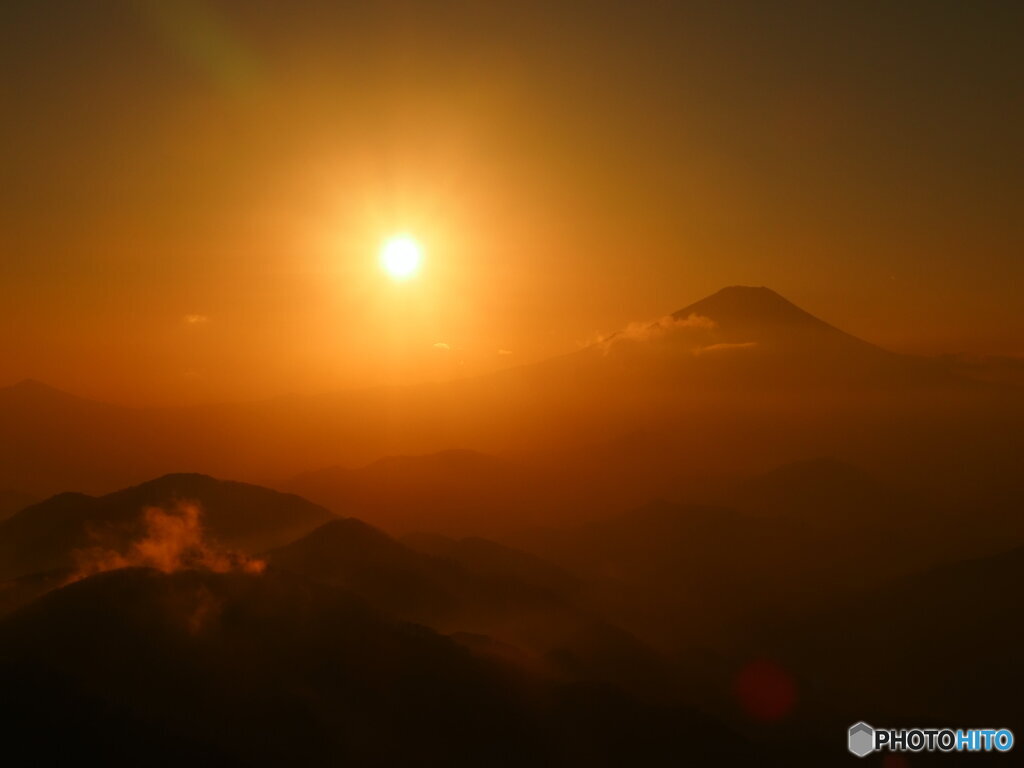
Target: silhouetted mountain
<point>238,516</point>
<point>824,487</point>
<point>231,669</point>
<point>794,538</point>
<point>46,434</point>
<point>354,555</point>
<point>493,559</point>
<point>854,507</point>
<point>245,670</point>
<point>482,598</point>
<point>448,490</point>
<point>755,339</point>
<point>22,590</point>
<point>938,646</point>
<point>742,313</point>
<point>994,369</point>
<point>14,501</point>
<point>727,381</point>
<point>30,393</point>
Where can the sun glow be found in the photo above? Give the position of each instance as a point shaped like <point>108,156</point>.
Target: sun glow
<point>400,256</point>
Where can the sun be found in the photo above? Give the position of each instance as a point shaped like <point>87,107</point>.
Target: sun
<point>400,256</point>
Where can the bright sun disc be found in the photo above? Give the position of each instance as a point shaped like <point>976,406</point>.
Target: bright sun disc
<point>401,256</point>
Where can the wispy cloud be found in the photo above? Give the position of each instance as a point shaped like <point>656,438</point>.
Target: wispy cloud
<point>173,539</point>
<point>442,346</point>
<point>724,347</point>
<point>504,352</point>
<point>667,325</point>
<point>195,319</point>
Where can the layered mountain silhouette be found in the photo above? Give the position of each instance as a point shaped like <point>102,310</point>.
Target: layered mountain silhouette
<point>937,645</point>
<point>497,560</point>
<point>823,490</point>
<point>246,670</point>
<point>779,543</point>
<point>347,644</point>
<point>275,669</point>
<point>728,380</point>
<point>478,598</point>
<point>237,516</point>
<point>55,541</point>
<point>638,548</point>
<point>14,501</point>
<point>457,486</point>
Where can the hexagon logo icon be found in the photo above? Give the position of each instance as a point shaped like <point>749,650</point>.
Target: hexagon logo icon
<point>861,739</point>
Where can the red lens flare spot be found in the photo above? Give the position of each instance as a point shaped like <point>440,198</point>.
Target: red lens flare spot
<point>765,691</point>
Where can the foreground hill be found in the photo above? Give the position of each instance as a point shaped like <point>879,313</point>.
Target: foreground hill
<point>232,669</point>
<point>244,670</point>
<point>941,645</point>
<point>547,627</point>
<point>814,602</point>
<point>236,516</point>
<point>73,536</point>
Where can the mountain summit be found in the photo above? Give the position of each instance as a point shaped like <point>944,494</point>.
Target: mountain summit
<point>743,313</point>
<point>749,305</point>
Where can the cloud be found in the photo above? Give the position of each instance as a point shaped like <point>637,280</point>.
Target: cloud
<point>442,346</point>
<point>504,352</point>
<point>692,320</point>
<point>172,540</point>
<point>667,325</point>
<point>724,347</point>
<point>195,319</point>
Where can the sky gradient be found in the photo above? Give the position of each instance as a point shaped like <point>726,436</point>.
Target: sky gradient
<point>194,193</point>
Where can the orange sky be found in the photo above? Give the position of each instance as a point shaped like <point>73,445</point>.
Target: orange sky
<point>193,198</point>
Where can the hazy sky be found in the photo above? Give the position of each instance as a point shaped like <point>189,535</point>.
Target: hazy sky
<point>194,192</point>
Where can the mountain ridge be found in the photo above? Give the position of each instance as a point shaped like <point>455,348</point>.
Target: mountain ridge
<point>242,516</point>
<point>732,309</point>
<point>749,386</point>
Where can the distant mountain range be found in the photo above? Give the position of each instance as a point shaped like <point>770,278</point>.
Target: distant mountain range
<point>456,486</point>
<point>723,383</point>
